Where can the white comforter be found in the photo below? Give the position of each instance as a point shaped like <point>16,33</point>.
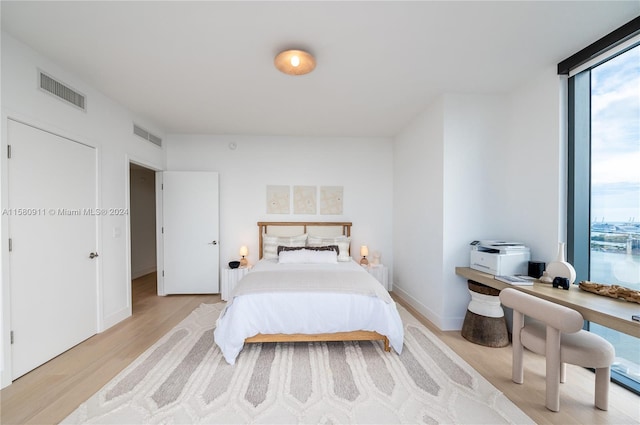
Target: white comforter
<point>307,311</point>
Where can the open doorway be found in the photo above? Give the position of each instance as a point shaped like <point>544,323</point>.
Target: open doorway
<point>142,204</point>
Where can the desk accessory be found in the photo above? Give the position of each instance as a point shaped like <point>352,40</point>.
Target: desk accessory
<point>561,282</point>
<point>560,267</point>
<point>545,278</point>
<point>536,268</point>
<point>515,280</point>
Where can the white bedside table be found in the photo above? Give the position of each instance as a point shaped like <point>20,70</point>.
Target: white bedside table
<point>229,279</point>
<point>381,273</point>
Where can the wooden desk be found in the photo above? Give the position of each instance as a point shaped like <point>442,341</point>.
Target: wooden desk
<point>609,312</point>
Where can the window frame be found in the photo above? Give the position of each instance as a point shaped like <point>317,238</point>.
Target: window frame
<point>579,67</point>
<point>579,174</point>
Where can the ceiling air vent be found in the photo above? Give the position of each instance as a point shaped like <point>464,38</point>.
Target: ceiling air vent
<point>139,131</point>
<point>62,91</point>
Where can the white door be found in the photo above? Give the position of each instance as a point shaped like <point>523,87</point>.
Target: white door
<point>190,225</point>
<point>53,280</point>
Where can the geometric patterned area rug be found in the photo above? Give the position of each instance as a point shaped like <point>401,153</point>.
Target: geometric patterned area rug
<point>183,379</point>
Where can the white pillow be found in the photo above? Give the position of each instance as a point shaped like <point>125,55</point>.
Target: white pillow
<point>343,243</point>
<point>308,256</point>
<point>270,244</point>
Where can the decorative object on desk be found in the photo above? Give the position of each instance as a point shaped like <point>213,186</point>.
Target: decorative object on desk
<point>244,251</point>
<point>612,291</point>
<point>545,278</point>
<point>234,264</point>
<point>364,252</point>
<point>560,267</point>
<point>536,268</point>
<point>561,282</point>
<point>375,258</point>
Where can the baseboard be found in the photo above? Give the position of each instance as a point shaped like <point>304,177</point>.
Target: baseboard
<point>115,318</point>
<point>417,305</point>
<point>453,323</point>
<point>139,273</point>
<point>442,323</point>
<point>5,379</point>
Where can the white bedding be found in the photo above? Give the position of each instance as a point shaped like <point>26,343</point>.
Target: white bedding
<point>306,311</point>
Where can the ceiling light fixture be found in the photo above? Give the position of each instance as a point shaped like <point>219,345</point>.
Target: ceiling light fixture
<point>295,62</point>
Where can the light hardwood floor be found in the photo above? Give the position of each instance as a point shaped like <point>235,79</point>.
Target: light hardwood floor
<point>576,395</point>
<point>49,393</point>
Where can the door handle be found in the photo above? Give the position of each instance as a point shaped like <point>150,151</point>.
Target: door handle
<point>213,243</point>
<point>93,255</point>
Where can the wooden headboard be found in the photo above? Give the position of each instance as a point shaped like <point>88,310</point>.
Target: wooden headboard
<point>293,228</point>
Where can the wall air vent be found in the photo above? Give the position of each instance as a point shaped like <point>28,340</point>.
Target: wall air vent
<point>62,91</point>
<point>139,131</point>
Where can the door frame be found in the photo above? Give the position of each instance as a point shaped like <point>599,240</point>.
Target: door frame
<point>160,232</point>
<point>6,368</point>
<point>132,159</point>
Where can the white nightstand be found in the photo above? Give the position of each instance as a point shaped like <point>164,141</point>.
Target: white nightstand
<point>381,273</point>
<point>229,279</point>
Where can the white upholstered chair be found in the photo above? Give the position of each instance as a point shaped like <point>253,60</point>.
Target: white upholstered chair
<point>557,334</point>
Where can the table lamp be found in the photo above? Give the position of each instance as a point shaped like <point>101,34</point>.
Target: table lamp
<point>364,251</point>
<point>244,251</point>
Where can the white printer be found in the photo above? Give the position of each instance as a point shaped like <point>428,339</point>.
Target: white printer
<point>500,258</point>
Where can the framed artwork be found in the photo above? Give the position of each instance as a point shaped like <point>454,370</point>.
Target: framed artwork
<point>331,199</point>
<point>304,200</point>
<point>278,200</point>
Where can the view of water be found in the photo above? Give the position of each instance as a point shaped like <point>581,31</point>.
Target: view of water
<point>618,268</point>
<point>613,268</point>
<point>615,191</point>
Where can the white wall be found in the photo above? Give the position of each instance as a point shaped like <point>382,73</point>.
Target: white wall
<point>492,166</point>
<point>537,167</point>
<point>362,166</point>
<point>474,176</point>
<point>143,221</point>
<point>417,211</point>
<point>446,168</point>
<point>106,126</point>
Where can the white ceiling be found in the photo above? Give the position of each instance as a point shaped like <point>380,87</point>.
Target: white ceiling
<point>207,67</point>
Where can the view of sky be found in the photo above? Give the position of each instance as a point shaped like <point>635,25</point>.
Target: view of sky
<point>615,138</point>
<point>615,183</point>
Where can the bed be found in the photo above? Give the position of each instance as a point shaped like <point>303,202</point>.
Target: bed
<point>324,297</point>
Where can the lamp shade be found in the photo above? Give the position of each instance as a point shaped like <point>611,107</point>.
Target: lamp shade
<point>244,251</point>
<point>295,62</point>
<point>364,251</point>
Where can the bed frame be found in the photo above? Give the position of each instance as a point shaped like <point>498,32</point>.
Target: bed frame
<point>293,228</point>
<point>328,229</point>
<point>338,336</point>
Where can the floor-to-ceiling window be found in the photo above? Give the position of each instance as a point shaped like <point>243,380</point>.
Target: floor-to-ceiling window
<point>615,191</point>
<point>604,186</point>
